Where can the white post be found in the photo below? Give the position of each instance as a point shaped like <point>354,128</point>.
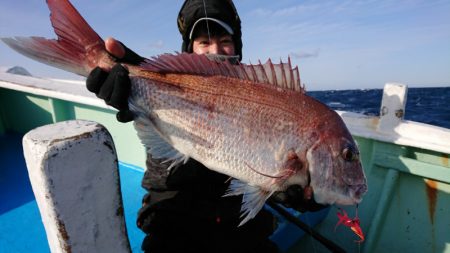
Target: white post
<point>393,106</point>
<point>73,170</point>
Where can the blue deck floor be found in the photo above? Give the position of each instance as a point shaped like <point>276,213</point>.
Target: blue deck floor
<point>21,228</point>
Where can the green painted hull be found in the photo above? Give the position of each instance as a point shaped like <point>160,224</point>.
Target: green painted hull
<point>20,112</point>
<point>407,207</point>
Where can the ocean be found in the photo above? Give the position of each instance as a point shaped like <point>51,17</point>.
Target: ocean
<point>426,105</point>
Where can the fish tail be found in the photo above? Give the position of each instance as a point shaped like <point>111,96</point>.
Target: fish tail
<point>77,49</point>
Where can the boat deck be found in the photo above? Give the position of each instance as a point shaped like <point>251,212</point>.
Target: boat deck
<point>21,228</point>
<point>406,165</point>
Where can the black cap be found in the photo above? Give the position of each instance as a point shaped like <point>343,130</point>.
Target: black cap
<point>222,10</point>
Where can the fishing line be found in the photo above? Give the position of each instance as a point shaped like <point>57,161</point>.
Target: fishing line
<point>207,21</point>
<point>356,215</point>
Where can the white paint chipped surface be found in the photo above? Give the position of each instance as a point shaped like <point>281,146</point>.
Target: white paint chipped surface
<point>73,170</point>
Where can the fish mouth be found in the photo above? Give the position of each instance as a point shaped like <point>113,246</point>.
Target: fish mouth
<point>357,191</point>
<point>353,195</point>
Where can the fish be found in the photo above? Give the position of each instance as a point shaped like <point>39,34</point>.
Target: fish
<point>353,224</point>
<point>252,122</point>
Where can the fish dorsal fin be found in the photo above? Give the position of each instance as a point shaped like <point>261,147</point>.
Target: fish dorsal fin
<point>281,75</point>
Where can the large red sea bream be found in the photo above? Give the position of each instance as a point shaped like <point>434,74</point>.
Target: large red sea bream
<point>252,122</point>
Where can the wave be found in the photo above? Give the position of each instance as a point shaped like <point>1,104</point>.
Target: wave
<point>426,105</point>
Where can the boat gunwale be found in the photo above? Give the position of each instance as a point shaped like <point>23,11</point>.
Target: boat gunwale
<point>407,133</point>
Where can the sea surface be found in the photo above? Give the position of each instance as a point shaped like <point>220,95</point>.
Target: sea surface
<point>426,105</point>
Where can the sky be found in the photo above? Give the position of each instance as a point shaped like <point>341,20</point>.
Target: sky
<point>336,44</point>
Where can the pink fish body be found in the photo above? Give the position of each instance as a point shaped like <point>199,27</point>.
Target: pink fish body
<point>252,122</point>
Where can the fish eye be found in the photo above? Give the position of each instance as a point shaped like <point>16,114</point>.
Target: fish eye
<point>349,154</point>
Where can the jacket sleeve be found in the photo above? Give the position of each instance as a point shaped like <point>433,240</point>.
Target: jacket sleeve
<point>189,176</point>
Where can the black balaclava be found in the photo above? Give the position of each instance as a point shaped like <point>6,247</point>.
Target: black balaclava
<point>223,10</point>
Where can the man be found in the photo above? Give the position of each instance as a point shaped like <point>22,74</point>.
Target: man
<point>185,210</point>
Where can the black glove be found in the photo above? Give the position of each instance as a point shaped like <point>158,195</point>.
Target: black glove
<point>114,86</point>
<point>294,197</point>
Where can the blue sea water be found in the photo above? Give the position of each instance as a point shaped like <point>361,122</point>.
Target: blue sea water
<point>426,105</point>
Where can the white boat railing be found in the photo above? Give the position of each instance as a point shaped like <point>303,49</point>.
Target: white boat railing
<point>389,127</point>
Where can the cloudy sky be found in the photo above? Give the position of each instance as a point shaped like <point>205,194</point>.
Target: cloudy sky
<point>336,44</point>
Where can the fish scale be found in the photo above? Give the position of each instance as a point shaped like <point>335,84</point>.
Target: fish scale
<point>252,122</point>
<point>230,153</point>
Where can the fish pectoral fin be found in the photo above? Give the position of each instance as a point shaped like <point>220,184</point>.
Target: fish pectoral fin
<point>252,201</point>
<point>155,144</point>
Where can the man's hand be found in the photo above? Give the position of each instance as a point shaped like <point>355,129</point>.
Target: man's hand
<point>298,198</point>
<point>114,86</point>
